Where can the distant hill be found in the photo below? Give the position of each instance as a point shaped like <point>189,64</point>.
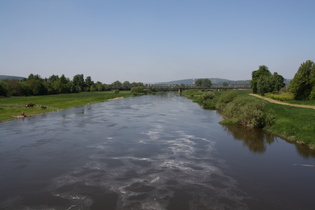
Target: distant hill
<point>5,77</point>
<point>215,82</point>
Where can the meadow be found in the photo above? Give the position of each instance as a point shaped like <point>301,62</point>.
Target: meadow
<point>293,123</point>
<point>12,107</point>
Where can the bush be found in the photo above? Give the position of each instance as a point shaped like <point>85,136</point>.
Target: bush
<point>249,112</point>
<point>224,99</point>
<point>208,95</point>
<point>227,97</point>
<point>136,91</point>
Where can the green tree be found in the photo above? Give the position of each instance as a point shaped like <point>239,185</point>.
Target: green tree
<point>278,81</point>
<point>78,81</point>
<point>3,88</point>
<point>270,83</point>
<point>53,78</point>
<point>32,76</point>
<point>203,82</point>
<point>98,86</point>
<point>137,84</point>
<point>88,81</point>
<point>37,87</point>
<point>126,85</point>
<point>15,88</point>
<point>302,85</point>
<point>63,79</point>
<point>59,87</point>
<point>262,71</point>
<point>264,85</point>
<point>116,85</point>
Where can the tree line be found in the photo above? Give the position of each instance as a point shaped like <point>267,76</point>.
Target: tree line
<point>35,85</point>
<point>302,86</point>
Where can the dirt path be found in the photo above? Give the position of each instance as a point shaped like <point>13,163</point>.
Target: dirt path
<point>283,103</point>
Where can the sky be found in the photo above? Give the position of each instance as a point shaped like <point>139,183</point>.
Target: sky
<point>155,40</point>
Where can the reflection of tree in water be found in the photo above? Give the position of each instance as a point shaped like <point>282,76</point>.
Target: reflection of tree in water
<point>304,151</point>
<point>254,139</point>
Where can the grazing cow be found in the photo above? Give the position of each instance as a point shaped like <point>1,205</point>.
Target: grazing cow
<point>43,107</point>
<point>30,105</point>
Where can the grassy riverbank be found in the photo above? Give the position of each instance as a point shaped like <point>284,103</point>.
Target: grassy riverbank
<point>291,123</point>
<point>12,107</point>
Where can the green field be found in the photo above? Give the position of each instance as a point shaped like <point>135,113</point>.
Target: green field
<point>12,107</point>
<point>303,102</point>
<point>293,123</point>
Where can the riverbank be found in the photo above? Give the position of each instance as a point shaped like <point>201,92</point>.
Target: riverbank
<point>295,124</point>
<point>14,107</point>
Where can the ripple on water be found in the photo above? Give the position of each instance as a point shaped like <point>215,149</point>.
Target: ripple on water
<point>157,181</point>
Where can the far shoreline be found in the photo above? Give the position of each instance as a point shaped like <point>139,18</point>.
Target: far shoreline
<point>13,108</point>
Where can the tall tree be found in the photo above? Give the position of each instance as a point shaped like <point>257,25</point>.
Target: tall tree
<point>265,84</point>
<point>88,81</point>
<point>63,79</point>
<point>278,81</point>
<point>116,85</point>
<point>302,85</point>
<point>126,85</point>
<point>3,89</point>
<point>53,78</point>
<point>262,71</point>
<point>78,81</point>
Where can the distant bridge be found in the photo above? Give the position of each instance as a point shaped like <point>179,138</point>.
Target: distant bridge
<point>180,88</point>
<point>187,87</point>
<point>176,87</point>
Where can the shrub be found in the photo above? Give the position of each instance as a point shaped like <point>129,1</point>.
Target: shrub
<point>208,95</point>
<point>227,97</point>
<point>224,99</point>
<point>136,91</point>
<point>249,112</point>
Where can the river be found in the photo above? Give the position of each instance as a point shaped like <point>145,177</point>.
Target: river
<point>150,152</point>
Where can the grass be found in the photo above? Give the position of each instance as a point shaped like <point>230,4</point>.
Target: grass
<point>291,123</point>
<point>10,107</point>
<point>301,102</point>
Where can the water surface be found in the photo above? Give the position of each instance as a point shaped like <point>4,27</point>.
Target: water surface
<point>149,152</point>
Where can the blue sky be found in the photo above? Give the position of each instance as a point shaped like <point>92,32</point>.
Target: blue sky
<point>155,40</point>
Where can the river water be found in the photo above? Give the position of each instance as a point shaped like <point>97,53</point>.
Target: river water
<point>151,152</point>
